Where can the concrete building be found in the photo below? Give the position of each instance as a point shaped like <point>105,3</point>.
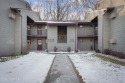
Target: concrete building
<point>14,16</point>
<point>62,35</point>
<point>111,27</point>
<point>21,31</point>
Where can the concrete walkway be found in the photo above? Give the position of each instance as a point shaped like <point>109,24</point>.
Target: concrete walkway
<point>62,71</point>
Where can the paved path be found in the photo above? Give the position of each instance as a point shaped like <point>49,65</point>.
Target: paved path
<point>62,71</point>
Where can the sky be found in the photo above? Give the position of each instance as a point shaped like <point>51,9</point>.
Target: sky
<point>33,1</point>
<point>47,10</point>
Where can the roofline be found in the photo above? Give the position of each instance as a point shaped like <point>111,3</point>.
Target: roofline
<point>26,3</point>
<point>85,23</point>
<point>41,22</point>
<point>14,9</point>
<point>62,23</point>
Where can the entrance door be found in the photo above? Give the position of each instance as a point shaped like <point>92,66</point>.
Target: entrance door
<point>39,44</point>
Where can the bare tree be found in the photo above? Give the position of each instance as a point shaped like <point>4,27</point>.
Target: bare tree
<point>63,10</point>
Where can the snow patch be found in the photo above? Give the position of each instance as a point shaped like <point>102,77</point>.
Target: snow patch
<point>31,68</point>
<point>62,52</point>
<point>95,70</point>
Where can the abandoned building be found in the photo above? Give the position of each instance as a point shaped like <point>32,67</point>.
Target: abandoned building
<point>21,29</point>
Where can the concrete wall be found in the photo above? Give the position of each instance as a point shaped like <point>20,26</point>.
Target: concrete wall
<point>109,3</point>
<point>34,44</point>
<point>22,4</point>
<point>100,29</point>
<point>9,28</point>
<point>106,31</point>
<point>44,30</point>
<point>89,16</point>
<point>17,35</point>
<point>6,29</point>
<point>52,39</point>
<point>119,4</point>
<point>103,4</point>
<point>111,29</point>
<point>85,44</point>
<point>34,30</point>
<point>85,31</point>
<point>34,16</point>
<point>34,40</point>
<point>118,33</point>
<point>44,44</point>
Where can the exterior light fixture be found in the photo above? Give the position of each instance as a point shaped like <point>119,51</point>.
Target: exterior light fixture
<point>80,26</point>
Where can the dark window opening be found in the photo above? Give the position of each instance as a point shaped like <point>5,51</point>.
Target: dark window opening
<point>39,31</point>
<point>28,30</point>
<point>62,34</point>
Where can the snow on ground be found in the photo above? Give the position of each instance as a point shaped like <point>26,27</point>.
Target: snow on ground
<point>62,52</point>
<point>31,68</point>
<point>95,70</point>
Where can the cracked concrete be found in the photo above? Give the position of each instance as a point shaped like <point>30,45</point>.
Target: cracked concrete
<point>62,71</point>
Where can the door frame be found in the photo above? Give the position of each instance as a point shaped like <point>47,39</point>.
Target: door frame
<point>41,44</point>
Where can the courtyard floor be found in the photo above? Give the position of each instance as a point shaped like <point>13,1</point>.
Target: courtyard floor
<point>62,71</point>
<point>41,67</point>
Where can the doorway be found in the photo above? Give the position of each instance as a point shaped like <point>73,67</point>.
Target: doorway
<point>39,44</point>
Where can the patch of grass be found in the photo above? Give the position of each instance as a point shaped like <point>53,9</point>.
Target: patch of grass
<point>111,60</point>
<point>14,55</point>
<point>3,59</point>
<point>10,57</point>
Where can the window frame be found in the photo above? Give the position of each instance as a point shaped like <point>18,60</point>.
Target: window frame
<point>39,30</point>
<point>64,35</point>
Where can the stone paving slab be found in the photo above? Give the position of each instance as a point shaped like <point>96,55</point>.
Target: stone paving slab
<point>62,71</point>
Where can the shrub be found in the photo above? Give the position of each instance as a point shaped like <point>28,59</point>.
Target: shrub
<point>113,53</point>
<point>107,51</point>
<point>55,49</point>
<point>69,49</point>
<point>120,55</point>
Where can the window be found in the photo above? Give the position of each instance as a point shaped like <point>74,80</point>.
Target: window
<point>39,42</point>
<point>39,30</point>
<point>62,34</point>
<point>28,30</point>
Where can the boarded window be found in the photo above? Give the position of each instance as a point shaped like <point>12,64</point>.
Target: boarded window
<point>62,34</point>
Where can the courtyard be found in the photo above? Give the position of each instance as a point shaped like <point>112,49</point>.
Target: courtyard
<point>62,41</point>
<point>42,67</point>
